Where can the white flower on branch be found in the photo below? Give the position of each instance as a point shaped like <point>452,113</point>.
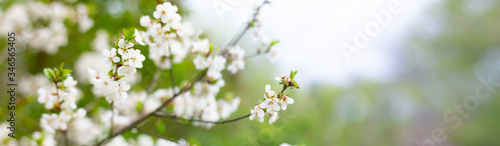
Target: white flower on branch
<point>53,122</point>
<point>237,57</point>
<point>112,90</point>
<point>201,46</point>
<point>118,120</point>
<point>216,65</point>
<point>200,62</point>
<point>257,111</point>
<point>145,21</point>
<point>145,140</point>
<point>110,57</point>
<point>226,108</point>
<point>124,46</point>
<point>285,101</point>
<point>134,58</point>
<point>46,98</point>
<point>273,117</point>
<point>138,37</point>
<point>274,53</point>
<point>271,104</point>
<point>167,13</point>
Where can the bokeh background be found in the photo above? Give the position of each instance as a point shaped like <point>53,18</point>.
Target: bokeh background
<point>396,91</point>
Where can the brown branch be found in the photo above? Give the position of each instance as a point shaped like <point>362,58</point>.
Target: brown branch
<point>202,121</point>
<point>152,86</point>
<point>112,117</point>
<point>146,116</point>
<point>200,76</point>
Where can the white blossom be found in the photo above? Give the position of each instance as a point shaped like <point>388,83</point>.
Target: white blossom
<point>145,140</point>
<point>110,57</point>
<point>257,111</point>
<point>124,46</point>
<point>138,37</point>
<point>167,13</point>
<point>271,104</point>
<point>47,98</point>
<point>117,141</point>
<point>101,41</point>
<point>285,101</point>
<point>226,108</point>
<point>128,67</point>
<point>83,126</point>
<point>134,58</point>
<point>200,62</point>
<point>285,144</point>
<point>201,46</point>
<point>53,122</point>
<point>163,142</point>
<point>273,117</point>
<point>274,53</point>
<point>237,56</point>
<point>145,21</point>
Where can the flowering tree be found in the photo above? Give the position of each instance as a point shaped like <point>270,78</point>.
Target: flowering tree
<point>170,41</point>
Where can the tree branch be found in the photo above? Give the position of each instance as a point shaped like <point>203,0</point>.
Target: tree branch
<point>146,116</point>
<point>202,121</point>
<point>152,86</point>
<point>249,25</point>
<point>200,76</point>
<point>112,117</point>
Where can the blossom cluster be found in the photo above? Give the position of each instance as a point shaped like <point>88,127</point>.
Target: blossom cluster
<point>61,99</point>
<point>112,85</point>
<point>168,39</point>
<point>270,105</point>
<point>42,25</point>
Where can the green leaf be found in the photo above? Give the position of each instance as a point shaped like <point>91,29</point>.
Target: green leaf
<point>160,126</point>
<point>139,106</point>
<point>111,73</point>
<point>274,43</point>
<point>292,74</point>
<point>129,34</point>
<point>49,73</point>
<point>193,141</point>
<point>61,67</point>
<point>66,71</point>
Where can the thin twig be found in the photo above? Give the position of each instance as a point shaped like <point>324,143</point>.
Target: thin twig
<point>202,121</point>
<point>152,86</point>
<point>91,104</point>
<point>249,25</point>
<point>198,77</point>
<point>155,80</point>
<point>66,137</point>
<point>146,116</point>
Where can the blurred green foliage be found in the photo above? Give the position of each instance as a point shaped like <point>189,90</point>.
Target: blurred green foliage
<point>438,72</point>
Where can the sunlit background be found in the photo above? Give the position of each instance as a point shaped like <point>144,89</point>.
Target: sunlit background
<point>417,77</point>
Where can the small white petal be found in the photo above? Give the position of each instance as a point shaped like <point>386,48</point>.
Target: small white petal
<point>268,88</point>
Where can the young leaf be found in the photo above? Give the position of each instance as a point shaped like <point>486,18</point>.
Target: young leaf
<point>292,74</point>
<point>49,73</point>
<point>160,126</point>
